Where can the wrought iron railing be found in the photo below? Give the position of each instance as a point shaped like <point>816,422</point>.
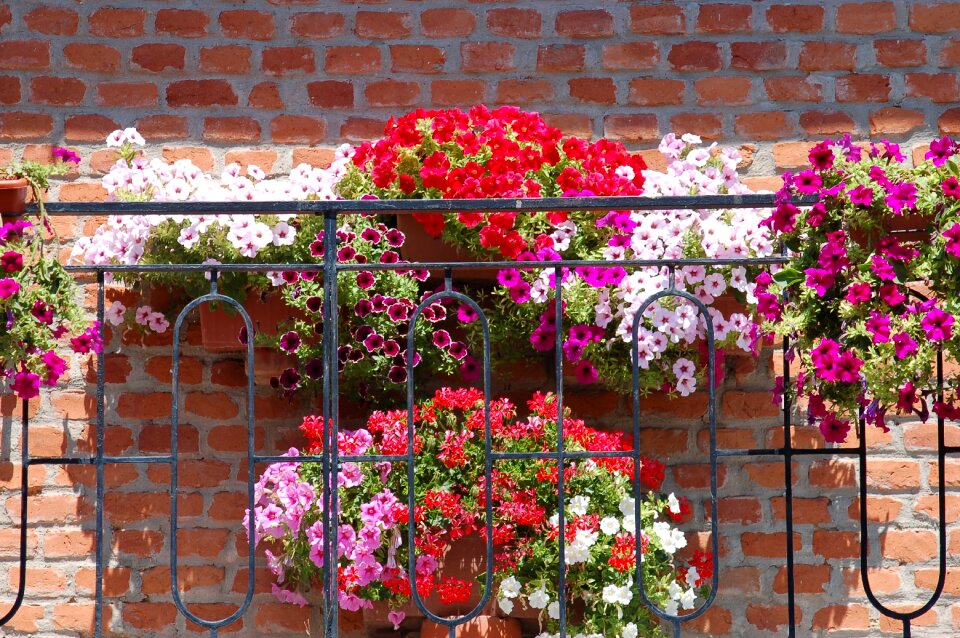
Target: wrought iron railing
<point>330,458</point>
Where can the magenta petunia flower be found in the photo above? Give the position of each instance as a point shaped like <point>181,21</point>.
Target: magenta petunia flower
<point>314,304</point>
<point>397,374</point>
<point>26,385</point>
<point>821,156</point>
<point>347,253</point>
<point>882,268</point>
<point>55,367</point>
<point>398,312</point>
<point>371,235</point>
<point>891,295</point>
<point>900,196</point>
<point>543,340</point>
<point>373,343</point>
<point>457,350</point>
<point>937,324</point>
<point>466,314</point>
<point>316,248</point>
<point>365,279</point>
<point>441,338</point>
<point>834,430</point>
<point>819,279</point>
<point>363,308</point>
<point>509,278</point>
<point>395,238</point>
<point>42,312</point>
<point>807,182</point>
<point>290,342</point>
<point>940,151</point>
<point>951,187</point>
<point>521,292</point>
<point>585,372</point>
<point>861,196</point>
<point>952,237</point>
<point>903,345</point>
<point>878,325</point>
<point>11,261</point>
<point>390,348</point>
<point>858,292</point>
<point>289,379</point>
<point>8,288</point>
<point>470,369</point>
<point>389,257</point>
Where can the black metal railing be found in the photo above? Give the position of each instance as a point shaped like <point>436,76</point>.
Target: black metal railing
<point>330,458</point>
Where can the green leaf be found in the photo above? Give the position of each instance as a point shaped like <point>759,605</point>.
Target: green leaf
<point>788,276</point>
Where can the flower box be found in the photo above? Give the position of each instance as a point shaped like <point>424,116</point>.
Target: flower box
<point>220,328</point>
<point>420,246</point>
<point>13,196</point>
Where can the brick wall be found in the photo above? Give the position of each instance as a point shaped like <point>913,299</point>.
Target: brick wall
<point>280,82</point>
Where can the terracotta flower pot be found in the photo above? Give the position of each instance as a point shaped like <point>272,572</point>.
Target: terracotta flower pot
<point>13,196</point>
<point>220,329</point>
<point>420,246</point>
<point>268,362</point>
<point>479,627</point>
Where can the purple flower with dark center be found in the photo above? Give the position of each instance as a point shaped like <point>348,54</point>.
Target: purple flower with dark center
<point>397,374</point>
<point>379,303</point>
<point>938,325</point>
<point>878,325</point>
<point>470,369</point>
<point>363,332</point>
<point>363,308</point>
<point>457,350</point>
<point>88,341</point>
<point>290,276</point>
<point>290,379</point>
<point>395,238</point>
<point>391,348</point>
<point>543,340</point>
<point>821,156</point>
<point>290,342</point>
<point>807,182</point>
<point>952,237</point>
<point>373,343</point>
<point>347,253</point>
<point>316,248</point>
<point>521,292</point>
<point>308,275</point>
<point>441,338</point>
<point>509,278</point>
<point>11,261</point>
<point>834,430</point>
<point>26,385</point>
<point>573,350</point>
<point>891,295</point>
<point>613,276</point>
<point>428,314</point>
<point>466,314</point>
<point>65,155</point>
<point>891,151</point>
<point>858,292</point>
<point>581,333</point>
<point>398,312</point>
<point>318,328</point>
<point>585,372</point>
<point>951,187</point>
<point>439,312</point>
<point>416,357</point>
<point>360,258</point>
<point>819,279</point>
<point>371,235</point>
<point>903,345</point>
<point>343,353</point>
<point>389,257</point>
<point>43,312</point>
<point>8,288</point>
<point>356,356</point>
<point>879,175</point>
<point>314,304</point>
<point>275,383</point>
<point>365,279</point>
<point>861,196</point>
<point>55,367</point>
<point>940,151</point>
<point>420,274</point>
<point>882,268</point>
<point>900,196</point>
<point>314,369</point>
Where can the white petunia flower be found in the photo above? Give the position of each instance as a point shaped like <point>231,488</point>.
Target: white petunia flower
<point>630,631</point>
<point>609,525</point>
<point>506,605</point>
<point>553,610</point>
<point>510,587</point>
<point>538,599</point>
<point>578,505</point>
<point>673,503</point>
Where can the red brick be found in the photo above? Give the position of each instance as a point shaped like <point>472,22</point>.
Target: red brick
<point>724,18</point>
<point>211,405</point>
<point>883,580</point>
<point>758,56</point>
<point>249,25</point>
<point>894,475</point>
<point>228,58</point>
<point>593,90</point>
<point>524,91</point>
<point>480,57</point>
<point>88,128</point>
<point>937,87</point>
<point>866,18</point>
<point>806,511</point>
<point>265,158</point>
<point>663,443</point>
<point>900,53</point>
<point>697,476</point>
<point>570,123</point>
<point>841,617</point>
<point>265,95</point>
<point>416,59</point>
<point>79,617</point>
<point>156,580</point>
<point>695,56</point>
<point>372,25</point>
<point>785,18</point>
<point>362,129</point>
<point>720,90</point>
<point>949,122</point>
<point>836,544</point>
<point>950,53</point>
<point>127,94</point>
<point>183,23</point>
<point>863,87</point>
<point>457,92</point>
<point>117,23</point>
<point>275,617</point>
<point>661,19</point>
<point>827,123</point>
<point>317,25</point>
<point>154,616</point>
<point>592,23</point>
<point>287,60</point>
<point>655,92</point>
<point>297,129</point>
<point>52,21</point>
<point>447,23</point>
<point>891,625</point>
<point>770,618</point>
<point>159,57</point>
<point>351,60</point>
<point>767,544</point>
<point>231,129</point>
<point>9,92</point>
<point>793,89</point>
<point>630,56</point>
<point>893,120</point>
<point>331,94</point>
<point>321,158</point>
<point>560,57</point>
<point>25,620</point>
<point>163,127</point>
<point>743,510</point>
<point>880,509</point>
<point>99,58</point>
<point>57,91</point>
<point>513,23</point>
<point>138,542</point>
<point>934,17</point>
<point>828,56</point>
<point>631,128</point>
<point>24,55</point>
<point>908,545</point>
<point>116,580</point>
<point>758,126</point>
<point>706,125</point>
<point>201,93</point>
<point>716,621</point>
<point>391,93</point>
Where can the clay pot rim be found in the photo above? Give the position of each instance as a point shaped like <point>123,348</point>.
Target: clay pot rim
<point>12,181</point>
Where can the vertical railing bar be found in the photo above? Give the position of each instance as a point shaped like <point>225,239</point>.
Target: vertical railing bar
<point>330,426</point>
<point>788,491</point>
<point>561,522</point>
<point>24,482</point>
<point>98,545</point>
